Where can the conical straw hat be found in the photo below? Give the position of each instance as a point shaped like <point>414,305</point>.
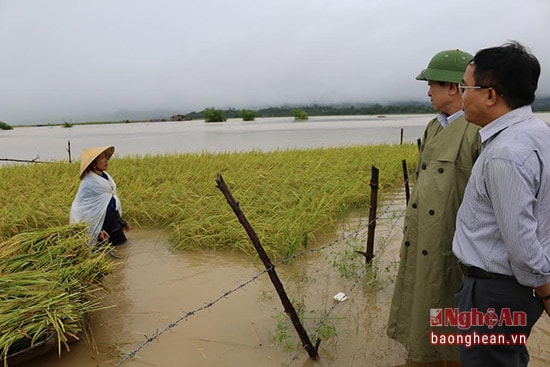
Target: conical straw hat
<point>89,154</point>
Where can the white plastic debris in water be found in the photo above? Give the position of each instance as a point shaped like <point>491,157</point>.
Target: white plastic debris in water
<point>340,297</point>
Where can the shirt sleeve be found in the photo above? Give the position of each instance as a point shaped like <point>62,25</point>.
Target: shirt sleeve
<point>513,189</point>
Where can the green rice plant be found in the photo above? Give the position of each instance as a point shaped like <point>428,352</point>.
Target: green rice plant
<point>282,337</point>
<point>290,197</point>
<point>325,326</point>
<point>373,278</point>
<point>349,263</point>
<point>285,336</point>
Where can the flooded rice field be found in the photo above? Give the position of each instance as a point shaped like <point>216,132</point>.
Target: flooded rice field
<point>154,287</point>
<point>206,309</point>
<point>211,309</point>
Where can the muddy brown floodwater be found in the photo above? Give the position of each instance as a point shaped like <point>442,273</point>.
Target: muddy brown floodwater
<point>154,288</point>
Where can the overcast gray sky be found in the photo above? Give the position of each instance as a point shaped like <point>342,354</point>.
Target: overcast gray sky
<point>64,60</point>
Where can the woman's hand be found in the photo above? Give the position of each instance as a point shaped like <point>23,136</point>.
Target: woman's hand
<point>103,236</point>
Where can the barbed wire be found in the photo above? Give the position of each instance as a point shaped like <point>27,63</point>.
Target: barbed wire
<point>171,325</point>
<point>359,277</point>
<point>34,160</point>
<point>361,227</point>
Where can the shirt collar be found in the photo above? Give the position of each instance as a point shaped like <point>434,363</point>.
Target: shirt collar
<point>445,119</point>
<point>505,121</point>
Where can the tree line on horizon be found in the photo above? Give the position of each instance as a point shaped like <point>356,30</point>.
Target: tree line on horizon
<point>540,105</point>
<point>324,110</point>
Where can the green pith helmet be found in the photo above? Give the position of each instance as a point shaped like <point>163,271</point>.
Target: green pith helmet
<point>446,66</point>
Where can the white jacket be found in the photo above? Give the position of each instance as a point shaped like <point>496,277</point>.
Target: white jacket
<point>90,203</point>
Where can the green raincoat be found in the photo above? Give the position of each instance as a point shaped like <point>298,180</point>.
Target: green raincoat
<point>428,273</point>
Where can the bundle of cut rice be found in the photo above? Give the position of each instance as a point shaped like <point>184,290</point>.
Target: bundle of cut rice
<point>49,280</point>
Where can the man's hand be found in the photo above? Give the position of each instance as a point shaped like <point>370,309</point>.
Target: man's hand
<point>543,292</point>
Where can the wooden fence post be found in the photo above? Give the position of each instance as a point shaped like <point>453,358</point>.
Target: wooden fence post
<point>369,253</point>
<point>289,308</point>
<point>372,214</point>
<point>69,150</point>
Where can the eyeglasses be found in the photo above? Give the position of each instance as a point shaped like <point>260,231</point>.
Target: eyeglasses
<point>463,87</point>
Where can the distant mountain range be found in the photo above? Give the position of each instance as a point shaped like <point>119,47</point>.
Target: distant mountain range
<point>123,115</point>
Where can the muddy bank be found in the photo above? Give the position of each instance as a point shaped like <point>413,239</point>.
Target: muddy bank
<point>154,288</point>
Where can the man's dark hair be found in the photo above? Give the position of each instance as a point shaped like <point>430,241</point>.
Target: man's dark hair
<point>511,70</point>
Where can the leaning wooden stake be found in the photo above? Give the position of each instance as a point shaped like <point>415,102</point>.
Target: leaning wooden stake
<point>289,308</point>
<point>406,179</point>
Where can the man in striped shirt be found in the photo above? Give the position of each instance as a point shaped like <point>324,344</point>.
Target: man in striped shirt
<point>502,237</point>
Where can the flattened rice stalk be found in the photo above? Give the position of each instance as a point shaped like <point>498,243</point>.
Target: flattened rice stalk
<point>56,243</point>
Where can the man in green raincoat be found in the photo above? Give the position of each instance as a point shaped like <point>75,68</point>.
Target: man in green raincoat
<point>429,274</point>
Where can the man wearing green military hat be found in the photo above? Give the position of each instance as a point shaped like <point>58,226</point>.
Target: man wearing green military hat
<point>429,274</point>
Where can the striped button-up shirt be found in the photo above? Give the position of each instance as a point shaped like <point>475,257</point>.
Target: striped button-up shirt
<point>445,120</point>
<point>503,224</point>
